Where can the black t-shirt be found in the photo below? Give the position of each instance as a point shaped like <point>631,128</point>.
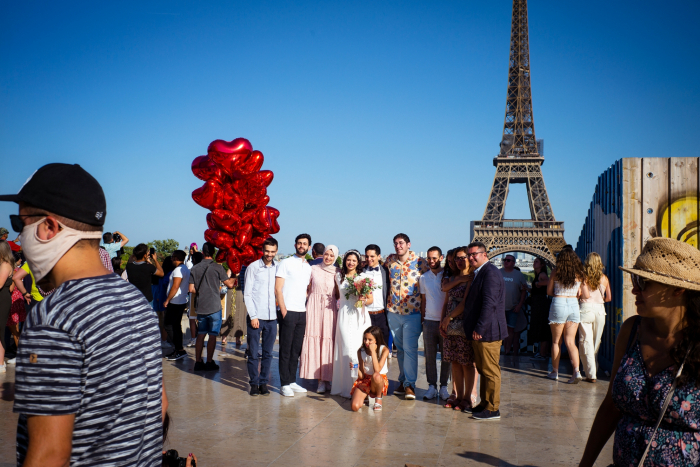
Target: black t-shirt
<point>140,274</point>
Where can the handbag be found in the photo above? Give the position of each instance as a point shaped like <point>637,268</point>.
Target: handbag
<point>456,328</point>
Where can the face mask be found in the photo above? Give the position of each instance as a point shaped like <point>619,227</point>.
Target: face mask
<point>42,255</point>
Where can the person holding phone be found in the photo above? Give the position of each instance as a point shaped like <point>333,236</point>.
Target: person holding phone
<point>140,271</point>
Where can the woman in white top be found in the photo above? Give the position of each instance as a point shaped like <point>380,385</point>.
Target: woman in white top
<point>371,375</point>
<point>350,327</point>
<point>592,311</point>
<point>566,285</point>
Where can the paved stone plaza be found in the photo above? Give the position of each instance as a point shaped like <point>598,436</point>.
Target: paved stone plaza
<point>543,422</point>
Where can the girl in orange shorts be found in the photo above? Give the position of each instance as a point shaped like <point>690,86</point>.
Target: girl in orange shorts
<point>372,371</point>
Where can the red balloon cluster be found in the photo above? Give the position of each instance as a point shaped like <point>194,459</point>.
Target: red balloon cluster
<point>235,190</point>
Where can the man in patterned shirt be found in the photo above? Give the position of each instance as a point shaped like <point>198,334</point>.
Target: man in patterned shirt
<point>405,268</point>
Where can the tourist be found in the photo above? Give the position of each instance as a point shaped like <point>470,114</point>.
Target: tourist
<point>432,300</point>
<point>351,326</point>
<point>7,267</point>
<point>205,283</point>
<point>458,350</point>
<point>100,379</point>
<point>176,301</point>
<point>372,370</point>
<point>18,311</point>
<point>117,266</point>
<point>262,317</point>
<point>33,295</point>
<point>112,246</point>
<point>291,284</point>
<point>405,267</point>
<point>3,238</point>
<point>592,312</point>
<point>485,325</point>
<point>567,285</point>
<point>656,368</point>
<point>317,252</point>
<point>197,258</point>
<point>516,293</point>
<point>189,261</point>
<point>539,332</point>
<point>240,309</point>
<point>380,275</point>
<point>160,293</point>
<point>321,317</point>
<point>143,269</point>
<point>105,258</point>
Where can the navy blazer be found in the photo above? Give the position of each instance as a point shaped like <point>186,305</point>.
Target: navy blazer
<point>485,306</point>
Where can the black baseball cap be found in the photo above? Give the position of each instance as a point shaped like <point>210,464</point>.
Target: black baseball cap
<point>66,190</point>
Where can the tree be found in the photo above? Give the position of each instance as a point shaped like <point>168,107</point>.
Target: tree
<point>164,247</point>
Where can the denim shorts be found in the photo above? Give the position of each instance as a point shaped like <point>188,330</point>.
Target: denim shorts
<point>564,310</point>
<point>511,318</point>
<point>209,324</point>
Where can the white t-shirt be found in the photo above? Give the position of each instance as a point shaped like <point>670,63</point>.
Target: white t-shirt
<point>378,294</point>
<point>296,273</point>
<point>368,366</point>
<point>430,286</point>
<point>180,297</point>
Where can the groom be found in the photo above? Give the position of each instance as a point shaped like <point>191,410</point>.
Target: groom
<point>380,275</point>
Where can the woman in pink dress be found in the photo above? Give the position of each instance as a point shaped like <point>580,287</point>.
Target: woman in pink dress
<point>321,315</point>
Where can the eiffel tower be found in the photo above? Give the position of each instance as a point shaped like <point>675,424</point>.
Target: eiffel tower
<point>519,161</point>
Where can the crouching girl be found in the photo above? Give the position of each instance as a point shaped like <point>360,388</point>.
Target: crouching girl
<point>372,371</point>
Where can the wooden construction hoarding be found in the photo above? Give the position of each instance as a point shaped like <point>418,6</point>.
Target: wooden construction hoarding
<point>637,199</point>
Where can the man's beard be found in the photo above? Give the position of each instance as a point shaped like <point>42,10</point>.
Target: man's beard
<point>301,251</point>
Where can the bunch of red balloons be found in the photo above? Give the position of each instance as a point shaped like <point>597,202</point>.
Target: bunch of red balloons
<point>235,190</point>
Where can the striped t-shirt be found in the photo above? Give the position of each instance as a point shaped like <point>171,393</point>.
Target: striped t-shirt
<point>92,349</point>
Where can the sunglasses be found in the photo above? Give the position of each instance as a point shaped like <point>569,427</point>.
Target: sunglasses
<point>460,258</point>
<point>17,222</point>
<point>639,281</point>
<point>507,260</point>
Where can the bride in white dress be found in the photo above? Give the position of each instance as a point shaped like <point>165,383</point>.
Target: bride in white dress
<point>350,329</point>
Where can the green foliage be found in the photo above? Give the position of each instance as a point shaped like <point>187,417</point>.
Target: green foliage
<point>164,247</point>
<point>308,257</point>
<point>529,275</point>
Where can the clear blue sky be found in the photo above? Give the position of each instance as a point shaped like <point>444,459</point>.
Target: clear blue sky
<point>376,117</point>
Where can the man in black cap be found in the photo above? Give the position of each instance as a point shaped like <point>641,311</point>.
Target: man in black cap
<point>88,383</point>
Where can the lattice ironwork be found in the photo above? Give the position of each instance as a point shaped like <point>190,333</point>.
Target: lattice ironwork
<point>520,162</point>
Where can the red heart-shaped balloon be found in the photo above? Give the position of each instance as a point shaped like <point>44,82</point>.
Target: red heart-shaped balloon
<point>209,196</point>
<point>251,190</point>
<point>257,241</point>
<point>219,239</point>
<point>233,261</point>
<point>265,177</point>
<point>262,220</point>
<point>205,169</point>
<point>221,255</point>
<point>247,255</point>
<point>243,236</point>
<point>274,214</point>
<point>230,154</point>
<point>249,166</point>
<point>247,215</point>
<point>220,219</point>
<point>232,200</point>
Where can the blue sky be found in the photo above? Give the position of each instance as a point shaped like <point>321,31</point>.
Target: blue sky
<point>376,118</point>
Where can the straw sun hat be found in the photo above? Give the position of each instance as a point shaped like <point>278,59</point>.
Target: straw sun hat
<point>670,262</point>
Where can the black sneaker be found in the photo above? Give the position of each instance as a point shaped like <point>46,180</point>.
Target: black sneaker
<point>263,390</point>
<point>476,409</point>
<point>400,390</point>
<point>199,366</point>
<point>177,355</point>
<point>211,366</point>
<point>487,415</point>
<point>255,390</point>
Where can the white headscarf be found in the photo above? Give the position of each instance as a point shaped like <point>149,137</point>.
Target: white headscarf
<point>332,268</point>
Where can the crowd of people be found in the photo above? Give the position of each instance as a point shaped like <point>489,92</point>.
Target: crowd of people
<point>87,333</point>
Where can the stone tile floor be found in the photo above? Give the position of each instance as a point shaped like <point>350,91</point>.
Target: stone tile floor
<point>544,423</point>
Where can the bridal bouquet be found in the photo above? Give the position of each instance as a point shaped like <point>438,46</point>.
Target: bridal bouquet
<point>359,286</point>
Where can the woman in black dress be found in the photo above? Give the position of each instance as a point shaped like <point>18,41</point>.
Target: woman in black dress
<point>539,332</point>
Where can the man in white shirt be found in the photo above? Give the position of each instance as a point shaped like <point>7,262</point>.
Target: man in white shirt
<point>432,301</point>
<point>259,298</point>
<point>380,276</point>
<point>291,282</point>
<point>176,302</point>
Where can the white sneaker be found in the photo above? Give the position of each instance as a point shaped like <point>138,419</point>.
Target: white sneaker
<point>192,342</point>
<point>287,391</point>
<point>296,388</point>
<point>431,394</point>
<point>553,375</point>
<point>575,378</point>
<point>321,387</point>
<point>3,368</point>
<point>12,361</point>
<point>444,395</point>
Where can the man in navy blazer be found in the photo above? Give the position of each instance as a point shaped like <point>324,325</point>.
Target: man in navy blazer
<point>485,325</point>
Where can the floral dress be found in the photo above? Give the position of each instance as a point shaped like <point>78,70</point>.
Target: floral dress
<point>457,348</point>
<point>640,398</point>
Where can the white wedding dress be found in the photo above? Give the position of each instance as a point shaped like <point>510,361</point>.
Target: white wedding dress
<point>349,332</point>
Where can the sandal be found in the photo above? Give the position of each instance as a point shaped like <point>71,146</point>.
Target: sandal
<point>377,405</point>
<point>449,403</point>
<point>459,405</point>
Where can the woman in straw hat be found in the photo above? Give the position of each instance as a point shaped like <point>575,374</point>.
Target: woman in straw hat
<point>653,401</point>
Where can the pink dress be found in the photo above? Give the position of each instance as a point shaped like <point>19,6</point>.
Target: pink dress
<point>321,316</point>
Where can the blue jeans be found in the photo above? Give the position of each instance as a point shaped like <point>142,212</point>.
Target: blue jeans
<point>209,324</point>
<point>268,329</point>
<point>406,330</point>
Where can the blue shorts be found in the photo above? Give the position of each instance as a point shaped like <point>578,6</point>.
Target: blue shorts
<point>209,324</point>
<point>564,310</point>
<point>512,318</point>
